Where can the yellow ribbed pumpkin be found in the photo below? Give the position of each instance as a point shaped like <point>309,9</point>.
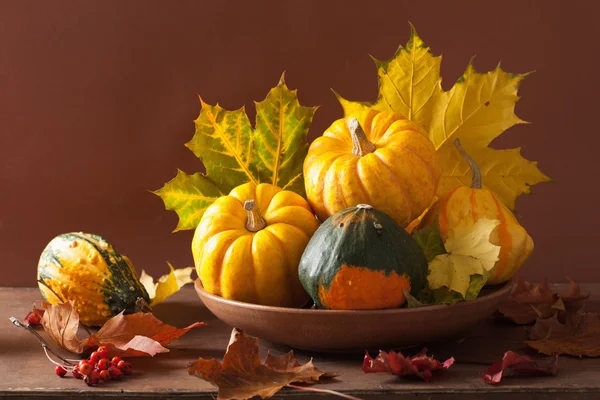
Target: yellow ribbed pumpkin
<point>376,158</point>
<point>515,243</point>
<point>248,245</point>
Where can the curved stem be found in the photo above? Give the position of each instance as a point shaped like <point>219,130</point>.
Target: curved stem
<point>361,144</point>
<point>476,180</point>
<point>255,221</point>
<point>41,341</point>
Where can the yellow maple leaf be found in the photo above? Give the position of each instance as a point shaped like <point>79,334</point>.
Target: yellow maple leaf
<point>469,253</point>
<point>478,108</point>
<point>167,284</point>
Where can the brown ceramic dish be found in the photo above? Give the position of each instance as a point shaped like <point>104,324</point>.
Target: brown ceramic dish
<point>339,330</point>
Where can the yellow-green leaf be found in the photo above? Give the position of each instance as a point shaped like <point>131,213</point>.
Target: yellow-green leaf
<point>281,128</point>
<point>188,196</point>
<point>167,284</point>
<point>234,152</point>
<point>469,253</point>
<point>478,108</point>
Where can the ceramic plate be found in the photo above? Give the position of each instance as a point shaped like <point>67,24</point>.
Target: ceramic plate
<point>340,330</point>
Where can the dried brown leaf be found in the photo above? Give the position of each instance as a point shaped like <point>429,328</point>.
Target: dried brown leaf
<point>139,334</point>
<point>61,323</point>
<point>242,375</point>
<point>574,294</point>
<point>579,335</point>
<point>528,302</point>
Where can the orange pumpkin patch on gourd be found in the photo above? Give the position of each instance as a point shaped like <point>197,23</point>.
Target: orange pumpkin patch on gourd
<point>478,201</point>
<point>248,245</point>
<point>360,259</point>
<point>379,158</point>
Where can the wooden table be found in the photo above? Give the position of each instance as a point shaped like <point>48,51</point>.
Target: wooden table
<point>26,374</point>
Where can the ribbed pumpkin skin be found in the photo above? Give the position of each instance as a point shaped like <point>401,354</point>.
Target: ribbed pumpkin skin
<point>515,243</point>
<point>87,270</point>
<point>399,178</point>
<point>254,267</point>
<point>360,258</point>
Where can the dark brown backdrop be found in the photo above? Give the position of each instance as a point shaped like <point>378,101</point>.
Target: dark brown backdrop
<point>97,99</point>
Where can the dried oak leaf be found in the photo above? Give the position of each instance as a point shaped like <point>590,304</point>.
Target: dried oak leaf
<point>241,375</point>
<point>394,363</point>
<point>579,335</point>
<point>528,301</point>
<point>139,334</point>
<point>517,364</point>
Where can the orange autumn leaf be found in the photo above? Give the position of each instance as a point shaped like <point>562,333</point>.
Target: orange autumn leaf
<point>139,334</point>
<point>242,375</point>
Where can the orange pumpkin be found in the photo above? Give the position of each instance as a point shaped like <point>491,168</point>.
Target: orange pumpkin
<point>515,243</point>
<point>376,158</point>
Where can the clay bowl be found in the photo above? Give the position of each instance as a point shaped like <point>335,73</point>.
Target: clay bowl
<point>340,330</point>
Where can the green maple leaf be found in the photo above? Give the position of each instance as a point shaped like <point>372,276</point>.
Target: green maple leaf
<point>233,153</point>
<point>476,110</point>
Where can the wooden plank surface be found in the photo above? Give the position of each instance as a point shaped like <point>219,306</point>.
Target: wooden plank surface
<point>25,372</point>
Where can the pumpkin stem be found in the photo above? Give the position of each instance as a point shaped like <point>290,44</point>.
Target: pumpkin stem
<point>255,221</point>
<point>476,180</point>
<point>361,144</point>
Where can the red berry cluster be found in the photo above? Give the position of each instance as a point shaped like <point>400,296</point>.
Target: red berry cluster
<point>97,368</point>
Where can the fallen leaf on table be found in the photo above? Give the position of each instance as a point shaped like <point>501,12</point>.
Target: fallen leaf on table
<point>579,335</point>
<point>139,334</point>
<point>242,375</point>
<point>478,108</point>
<point>517,364</point>
<point>470,253</point>
<point>166,285</point>
<point>61,323</point>
<point>394,363</point>
<point>528,302</point>
<point>34,317</point>
<point>234,153</point>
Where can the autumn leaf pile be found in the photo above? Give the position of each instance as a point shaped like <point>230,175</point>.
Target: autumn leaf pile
<point>560,323</point>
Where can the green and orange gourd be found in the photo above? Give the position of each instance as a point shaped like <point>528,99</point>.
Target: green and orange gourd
<point>85,269</point>
<point>477,201</point>
<point>360,258</point>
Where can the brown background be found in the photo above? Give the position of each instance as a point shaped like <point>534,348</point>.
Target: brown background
<point>97,99</point>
